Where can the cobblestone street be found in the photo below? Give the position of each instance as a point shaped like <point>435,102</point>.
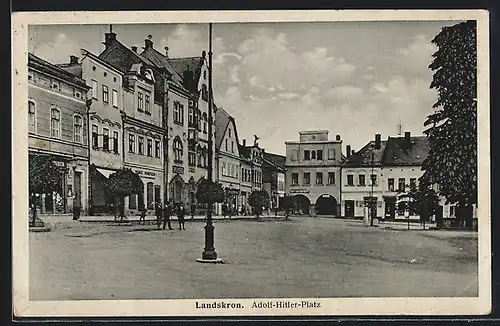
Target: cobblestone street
<point>303,257</point>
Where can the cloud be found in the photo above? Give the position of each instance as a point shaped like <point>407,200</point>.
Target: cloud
<point>416,57</point>
<point>344,92</point>
<point>57,50</point>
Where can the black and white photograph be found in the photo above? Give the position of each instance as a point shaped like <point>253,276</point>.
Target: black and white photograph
<point>170,164</point>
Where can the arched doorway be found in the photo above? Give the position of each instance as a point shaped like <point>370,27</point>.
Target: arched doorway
<point>302,204</point>
<point>176,188</point>
<point>326,205</point>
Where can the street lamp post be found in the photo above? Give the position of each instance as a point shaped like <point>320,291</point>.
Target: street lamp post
<point>88,103</point>
<point>209,254</point>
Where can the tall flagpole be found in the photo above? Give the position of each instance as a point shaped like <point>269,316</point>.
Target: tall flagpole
<point>209,254</point>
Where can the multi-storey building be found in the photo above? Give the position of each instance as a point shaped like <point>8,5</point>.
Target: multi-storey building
<point>313,172</point>
<point>251,158</point>
<point>105,124</point>
<point>227,159</point>
<point>361,179</point>
<point>273,177</point>
<point>57,127</point>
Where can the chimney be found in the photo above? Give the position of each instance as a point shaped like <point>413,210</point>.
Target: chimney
<point>377,141</point>
<point>244,142</point>
<point>353,152</point>
<point>148,43</point>
<point>337,137</point>
<point>166,51</point>
<point>408,137</point>
<point>348,151</point>
<point>134,48</point>
<point>109,38</point>
<point>73,59</point>
<point>203,54</point>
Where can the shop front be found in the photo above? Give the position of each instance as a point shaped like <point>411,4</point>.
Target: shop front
<point>153,192</point>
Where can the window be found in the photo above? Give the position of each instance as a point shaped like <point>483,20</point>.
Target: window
<point>204,74</point>
<point>232,146</point>
<point>226,146</point>
<point>204,93</point>
<point>94,89</point>
<point>373,179</point>
<point>95,137</point>
<point>350,180</point>
<point>319,178</point>
<point>131,143</point>
<point>140,102</point>
<point>313,155</point>
<point>77,129</point>
<point>157,149</point>
<point>307,178</point>
<point>105,139</point>
<point>140,143</point>
<point>150,147</point>
<point>115,98</point>
<point>150,195</point>
<point>331,154</point>
<point>56,84</point>
<point>31,117</point>
<point>361,180</point>
<point>294,155</point>
<point>115,142</point>
<point>192,158</point>
<point>105,94</point>
<point>307,155</point>
<point>198,118</point>
<point>319,155</point>
<point>401,184</point>
<point>452,211</point>
<point>413,183</point>
<point>55,123</point>
<point>177,150</point>
<point>178,113</point>
<point>147,107</point>
<point>229,133</point>
<point>331,178</point>
<point>205,123</point>
<point>295,179</point>
<point>191,116</point>
<point>390,184</point>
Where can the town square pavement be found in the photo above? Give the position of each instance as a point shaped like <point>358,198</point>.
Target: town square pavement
<point>302,257</point>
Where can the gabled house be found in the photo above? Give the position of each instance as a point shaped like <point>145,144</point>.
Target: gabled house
<point>227,158</point>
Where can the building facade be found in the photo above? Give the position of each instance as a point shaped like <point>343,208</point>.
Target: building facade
<point>313,173</point>
<point>57,127</point>
<point>273,178</point>
<point>228,164</point>
<point>362,175</point>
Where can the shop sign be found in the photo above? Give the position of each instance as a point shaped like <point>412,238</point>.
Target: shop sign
<point>146,173</point>
<point>299,191</point>
<point>178,169</point>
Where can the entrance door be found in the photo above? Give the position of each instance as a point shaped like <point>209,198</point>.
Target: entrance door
<point>390,208</point>
<point>77,184</point>
<point>177,192</point>
<point>349,208</point>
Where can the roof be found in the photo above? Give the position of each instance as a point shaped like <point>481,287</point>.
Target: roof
<point>72,68</point>
<point>363,157</point>
<point>399,153</point>
<point>55,70</point>
<point>244,151</point>
<point>222,119</point>
<point>118,61</point>
<point>276,159</point>
<point>188,67</point>
<point>161,61</point>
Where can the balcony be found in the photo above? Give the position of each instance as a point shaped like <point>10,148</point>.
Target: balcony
<point>193,137</point>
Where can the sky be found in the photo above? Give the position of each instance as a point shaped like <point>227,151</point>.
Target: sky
<point>355,79</point>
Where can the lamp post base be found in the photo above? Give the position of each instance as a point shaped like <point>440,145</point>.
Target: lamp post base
<point>210,261</point>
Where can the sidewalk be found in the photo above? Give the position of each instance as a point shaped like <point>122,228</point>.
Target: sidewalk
<point>135,218</point>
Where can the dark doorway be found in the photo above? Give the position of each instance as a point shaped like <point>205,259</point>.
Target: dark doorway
<point>390,208</point>
<point>326,205</point>
<point>77,184</point>
<point>302,204</point>
<point>349,208</point>
<point>177,192</point>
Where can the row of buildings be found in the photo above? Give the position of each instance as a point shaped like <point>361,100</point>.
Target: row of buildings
<point>325,180</point>
<point>142,110</point>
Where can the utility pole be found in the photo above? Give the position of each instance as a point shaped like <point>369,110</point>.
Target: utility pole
<point>209,254</point>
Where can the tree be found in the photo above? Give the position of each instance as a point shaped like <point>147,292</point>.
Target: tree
<point>259,199</point>
<point>289,204</point>
<point>452,128</point>
<point>44,177</point>
<point>209,192</point>
<point>422,200</point>
<point>122,183</point>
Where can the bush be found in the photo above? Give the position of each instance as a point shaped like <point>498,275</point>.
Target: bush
<point>259,199</point>
<point>209,192</point>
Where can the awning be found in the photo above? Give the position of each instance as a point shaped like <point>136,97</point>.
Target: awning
<point>105,173</point>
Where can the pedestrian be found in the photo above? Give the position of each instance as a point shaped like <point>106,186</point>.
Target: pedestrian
<point>181,213</point>
<point>167,212</point>
<point>158,213</point>
<point>224,209</point>
<point>193,210</point>
<point>142,217</point>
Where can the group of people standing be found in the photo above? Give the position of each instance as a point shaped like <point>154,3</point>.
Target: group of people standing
<point>164,213</point>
